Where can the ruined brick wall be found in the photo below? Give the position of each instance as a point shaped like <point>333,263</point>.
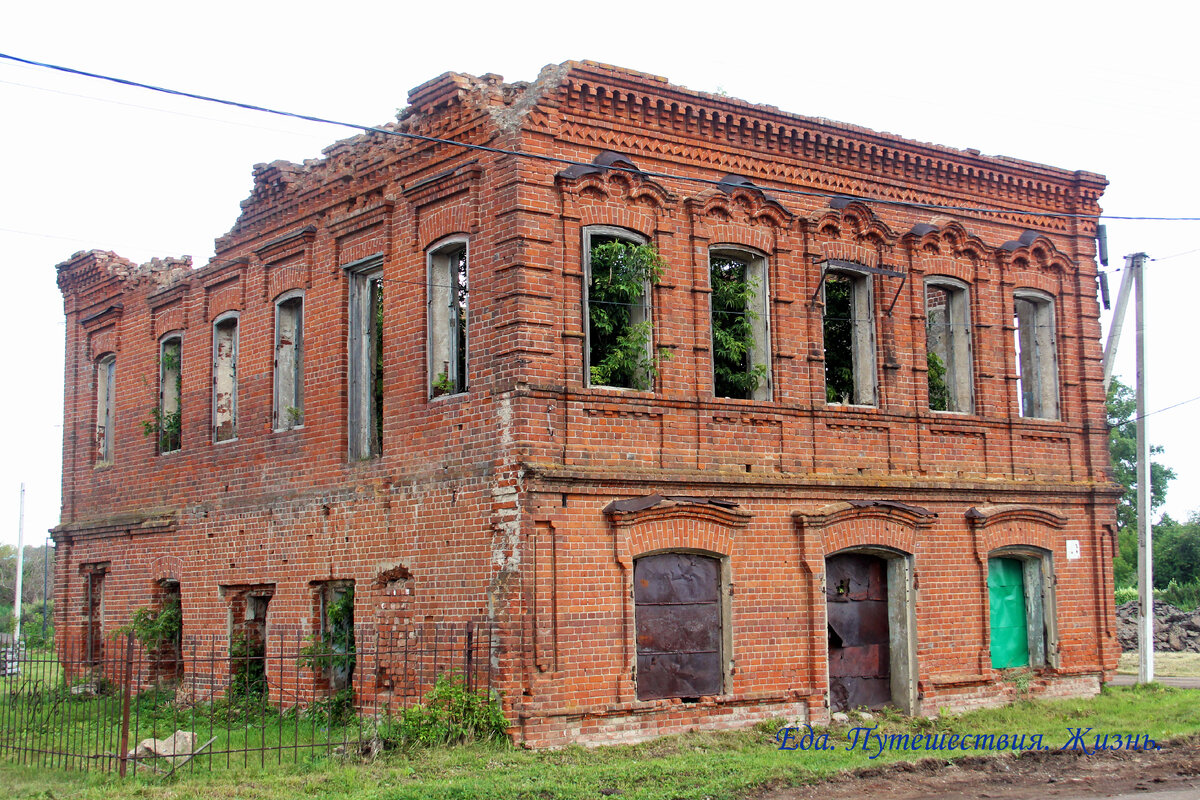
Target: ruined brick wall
<point>492,502</point>
<point>420,528</point>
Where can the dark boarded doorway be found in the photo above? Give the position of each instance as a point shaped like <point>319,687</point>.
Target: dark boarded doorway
<point>677,613</point>
<point>856,593</point>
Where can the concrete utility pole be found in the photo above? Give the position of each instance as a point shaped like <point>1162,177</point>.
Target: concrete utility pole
<point>1132,281</point>
<point>20,569</point>
<point>1145,550</point>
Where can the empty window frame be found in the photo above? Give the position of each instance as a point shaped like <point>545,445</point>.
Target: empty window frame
<point>168,414</point>
<point>289,362</point>
<point>1021,608</point>
<point>448,318</point>
<point>619,269</point>
<point>93,611</point>
<point>365,390</point>
<point>106,377</point>
<point>337,655</point>
<point>849,333</point>
<point>225,379</point>
<point>248,632</point>
<point>740,334</point>
<point>678,616</point>
<point>1037,359</point>
<point>948,345</point>
<point>165,648</point>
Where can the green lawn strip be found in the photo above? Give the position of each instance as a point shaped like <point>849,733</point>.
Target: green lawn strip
<point>699,765</point>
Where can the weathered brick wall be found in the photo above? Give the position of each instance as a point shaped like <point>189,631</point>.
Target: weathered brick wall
<point>492,502</point>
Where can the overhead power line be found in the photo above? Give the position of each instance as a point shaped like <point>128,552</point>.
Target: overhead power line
<point>559,160</point>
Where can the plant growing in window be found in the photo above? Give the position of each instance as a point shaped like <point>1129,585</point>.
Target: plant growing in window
<point>166,418</point>
<point>157,628</point>
<point>939,392</point>
<point>735,295</point>
<point>332,650</point>
<point>448,311</point>
<point>442,385</point>
<point>839,347</point>
<point>849,339</point>
<point>619,326</point>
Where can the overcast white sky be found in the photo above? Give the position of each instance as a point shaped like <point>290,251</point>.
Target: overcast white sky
<point>1101,87</point>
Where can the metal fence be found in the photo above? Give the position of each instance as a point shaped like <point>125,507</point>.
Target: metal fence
<point>209,702</point>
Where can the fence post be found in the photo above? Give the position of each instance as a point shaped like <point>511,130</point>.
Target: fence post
<point>126,690</point>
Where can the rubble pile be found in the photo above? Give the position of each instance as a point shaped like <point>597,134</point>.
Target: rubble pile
<point>1174,630</point>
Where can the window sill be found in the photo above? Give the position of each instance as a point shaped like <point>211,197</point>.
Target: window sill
<point>600,387</point>
<point>288,430</point>
<point>225,441</point>
<point>440,397</point>
<point>759,401</point>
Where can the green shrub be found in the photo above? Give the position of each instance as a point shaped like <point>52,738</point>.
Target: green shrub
<point>1126,594</point>
<point>451,713</point>
<point>733,316</point>
<point>249,666</point>
<point>620,347</point>
<point>1185,596</point>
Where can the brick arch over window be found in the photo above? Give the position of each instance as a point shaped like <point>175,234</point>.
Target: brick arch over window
<point>445,221</point>
<point>733,235</point>
<point>166,568</point>
<point>603,215</point>
<point>654,525</point>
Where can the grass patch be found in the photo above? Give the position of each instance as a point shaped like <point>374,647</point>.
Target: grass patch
<point>1166,664</point>
<point>692,766</point>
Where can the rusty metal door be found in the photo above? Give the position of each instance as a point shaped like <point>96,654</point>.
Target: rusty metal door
<point>856,594</point>
<point>677,614</point>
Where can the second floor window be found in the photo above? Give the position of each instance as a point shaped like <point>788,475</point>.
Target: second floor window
<point>620,269</point>
<point>225,380</point>
<point>447,319</point>
<point>289,363</point>
<point>106,371</point>
<point>948,346</point>
<point>1037,361</point>
<point>365,390</point>
<point>740,340</point>
<point>849,339</point>
<point>168,415</point>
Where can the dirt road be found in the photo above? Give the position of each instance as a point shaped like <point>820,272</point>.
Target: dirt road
<point>1172,773</point>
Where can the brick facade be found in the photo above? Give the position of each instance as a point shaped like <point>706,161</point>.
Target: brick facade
<point>491,503</point>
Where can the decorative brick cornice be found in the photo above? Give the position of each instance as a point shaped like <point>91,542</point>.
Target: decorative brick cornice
<point>634,101</point>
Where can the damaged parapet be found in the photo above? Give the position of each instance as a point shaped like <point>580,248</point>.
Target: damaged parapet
<point>88,267</point>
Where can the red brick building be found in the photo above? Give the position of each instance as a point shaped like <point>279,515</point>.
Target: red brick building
<point>836,437</point>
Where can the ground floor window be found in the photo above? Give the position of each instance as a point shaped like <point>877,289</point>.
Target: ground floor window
<point>248,606</point>
<point>331,652</point>
<point>678,618</point>
<point>93,612</point>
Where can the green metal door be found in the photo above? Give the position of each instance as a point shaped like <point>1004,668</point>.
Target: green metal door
<point>1010,626</point>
